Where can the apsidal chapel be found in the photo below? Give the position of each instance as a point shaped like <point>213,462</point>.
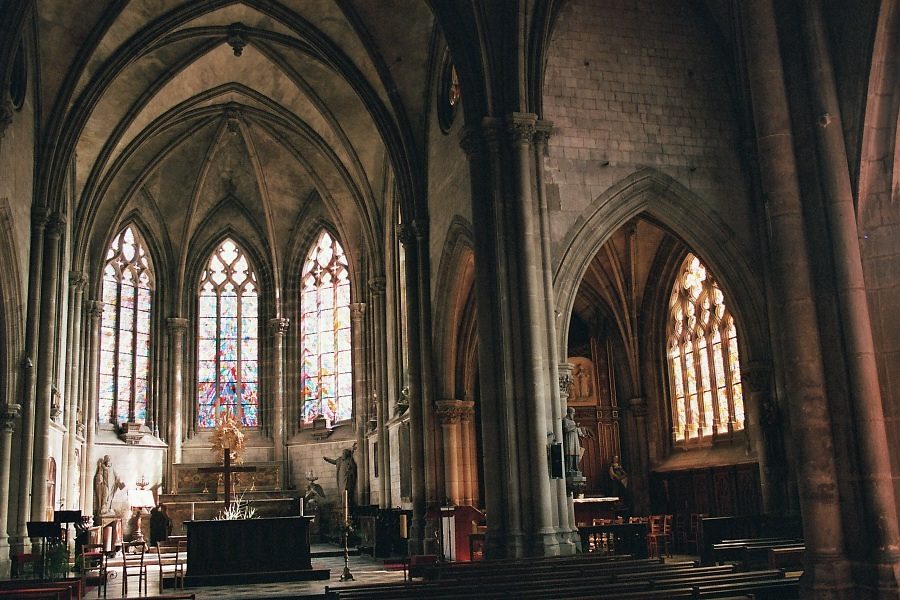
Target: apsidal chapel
<point>541,262</point>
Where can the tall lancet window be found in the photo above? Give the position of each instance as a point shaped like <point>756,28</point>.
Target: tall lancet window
<point>705,372</point>
<point>125,330</point>
<point>326,378</point>
<point>228,339</point>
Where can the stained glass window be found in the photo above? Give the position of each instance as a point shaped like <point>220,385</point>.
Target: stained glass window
<point>326,378</point>
<point>125,330</point>
<point>705,372</point>
<point>228,339</point>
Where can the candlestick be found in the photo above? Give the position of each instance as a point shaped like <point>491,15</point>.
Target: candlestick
<point>302,501</point>
<point>192,511</point>
<point>346,507</point>
<point>403,530</point>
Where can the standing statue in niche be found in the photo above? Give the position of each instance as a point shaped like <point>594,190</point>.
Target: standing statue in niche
<point>106,484</point>
<point>346,472</point>
<point>582,385</point>
<point>572,435</point>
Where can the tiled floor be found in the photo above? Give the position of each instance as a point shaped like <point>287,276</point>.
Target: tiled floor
<point>364,570</point>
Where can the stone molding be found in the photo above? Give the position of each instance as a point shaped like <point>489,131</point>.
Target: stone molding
<point>8,415</point>
<point>454,411</point>
<point>377,285</point>
<point>520,128</point>
<point>77,279</point>
<point>357,311</point>
<point>279,325</point>
<point>95,308</point>
<point>176,325</point>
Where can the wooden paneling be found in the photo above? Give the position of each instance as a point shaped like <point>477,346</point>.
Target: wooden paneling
<point>717,491</point>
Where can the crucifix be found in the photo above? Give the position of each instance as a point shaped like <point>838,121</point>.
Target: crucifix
<point>227,469</point>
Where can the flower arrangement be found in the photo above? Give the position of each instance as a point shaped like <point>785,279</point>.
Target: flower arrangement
<point>228,434</point>
<point>237,509</point>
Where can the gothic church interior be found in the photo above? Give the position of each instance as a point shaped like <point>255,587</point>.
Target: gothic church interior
<point>421,231</point>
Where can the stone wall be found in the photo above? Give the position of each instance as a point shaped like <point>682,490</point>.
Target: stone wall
<point>630,85</point>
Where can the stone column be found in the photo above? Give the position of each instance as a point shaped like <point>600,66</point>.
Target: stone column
<point>77,281</point>
<point>533,335</point>
<point>826,573</point>
<point>377,316</point>
<point>8,415</point>
<point>177,327</point>
<point>504,536</point>
<point>564,382</point>
<point>566,534</point>
<point>468,454</point>
<point>46,360</point>
<point>93,376</point>
<point>764,430</point>
<point>451,413</point>
<point>417,542</point>
<point>856,325</point>
<point>641,467</point>
<point>26,453</point>
<point>360,399</point>
<point>278,327</point>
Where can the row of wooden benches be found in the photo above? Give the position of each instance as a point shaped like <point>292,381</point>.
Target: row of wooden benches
<point>581,576</point>
<point>62,589</point>
<point>753,553</point>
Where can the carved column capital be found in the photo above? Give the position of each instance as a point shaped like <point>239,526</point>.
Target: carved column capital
<point>357,311</point>
<point>77,279</point>
<point>520,128</point>
<point>755,376</point>
<point>55,225</point>
<point>638,406</point>
<point>7,110</point>
<point>565,378</point>
<point>176,325</point>
<point>95,309</point>
<point>8,414</point>
<point>279,325</point>
<point>542,131</point>
<point>472,142</point>
<point>406,235</point>
<point>454,411</point>
<point>377,285</point>
<point>39,216</point>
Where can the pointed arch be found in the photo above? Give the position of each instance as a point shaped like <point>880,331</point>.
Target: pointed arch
<point>688,217</point>
<point>454,316</point>
<point>326,365</point>
<point>228,337</point>
<point>127,294</point>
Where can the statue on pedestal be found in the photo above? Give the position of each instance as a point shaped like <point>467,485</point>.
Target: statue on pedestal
<point>106,484</point>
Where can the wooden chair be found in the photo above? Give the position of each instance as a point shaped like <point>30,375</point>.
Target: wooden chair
<point>171,558</point>
<point>133,565</point>
<point>659,536</point>
<point>692,537</point>
<point>94,568</point>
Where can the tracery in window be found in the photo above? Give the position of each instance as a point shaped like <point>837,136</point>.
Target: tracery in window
<point>228,339</point>
<point>326,378</point>
<point>125,330</point>
<point>704,367</point>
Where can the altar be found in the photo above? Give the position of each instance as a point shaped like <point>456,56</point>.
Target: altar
<point>199,495</point>
<point>260,550</point>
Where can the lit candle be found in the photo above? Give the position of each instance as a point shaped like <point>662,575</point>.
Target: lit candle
<point>346,507</point>
<point>403,531</point>
<point>192,511</point>
<point>301,507</point>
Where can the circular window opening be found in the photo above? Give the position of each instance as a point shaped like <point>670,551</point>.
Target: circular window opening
<point>449,96</point>
<point>18,82</point>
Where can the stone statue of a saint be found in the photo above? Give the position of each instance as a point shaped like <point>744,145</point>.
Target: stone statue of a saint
<point>106,484</point>
<point>571,443</point>
<point>346,472</point>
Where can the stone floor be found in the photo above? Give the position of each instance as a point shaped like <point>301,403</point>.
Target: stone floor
<point>364,570</point>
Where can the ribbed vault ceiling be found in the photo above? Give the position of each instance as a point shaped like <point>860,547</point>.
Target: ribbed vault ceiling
<point>324,99</point>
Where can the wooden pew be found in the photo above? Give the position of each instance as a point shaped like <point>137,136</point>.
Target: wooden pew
<point>751,552</point>
<point>713,530</point>
<point>31,588</point>
<point>653,583</point>
<point>787,557</point>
